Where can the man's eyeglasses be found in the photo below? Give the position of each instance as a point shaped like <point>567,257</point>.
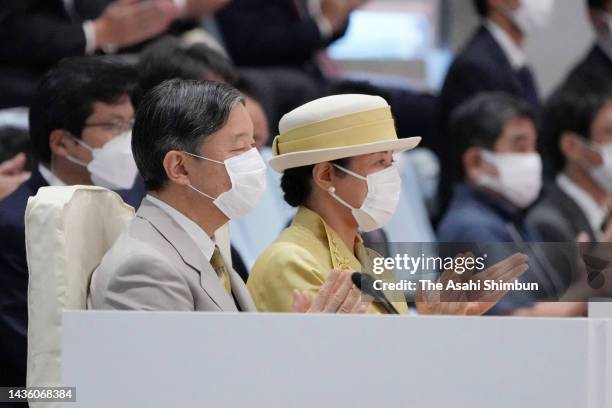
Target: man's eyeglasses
<point>115,128</point>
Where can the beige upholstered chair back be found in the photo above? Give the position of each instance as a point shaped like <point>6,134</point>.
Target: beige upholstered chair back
<point>68,231</point>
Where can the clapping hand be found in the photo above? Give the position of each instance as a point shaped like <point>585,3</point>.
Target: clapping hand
<point>471,303</point>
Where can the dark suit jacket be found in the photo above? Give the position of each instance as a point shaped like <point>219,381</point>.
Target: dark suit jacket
<point>14,277</point>
<point>270,33</point>
<point>558,218</point>
<point>593,72</point>
<point>481,66</point>
<point>34,35</point>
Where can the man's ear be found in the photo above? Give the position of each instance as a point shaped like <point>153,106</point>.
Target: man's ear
<point>58,140</point>
<point>323,175</point>
<point>176,167</point>
<point>570,145</point>
<point>473,164</point>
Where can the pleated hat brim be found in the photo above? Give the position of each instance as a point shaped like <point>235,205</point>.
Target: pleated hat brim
<point>306,158</point>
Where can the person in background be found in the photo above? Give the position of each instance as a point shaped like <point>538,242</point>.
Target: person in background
<point>194,146</point>
<point>170,57</point>
<point>336,156</point>
<point>493,60</point>
<point>578,143</point>
<point>294,34</point>
<point>284,32</point>
<point>595,70</point>
<point>78,123</point>
<point>36,34</point>
<point>501,177</point>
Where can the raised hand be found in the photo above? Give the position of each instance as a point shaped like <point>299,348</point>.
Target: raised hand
<point>471,303</point>
<point>128,22</point>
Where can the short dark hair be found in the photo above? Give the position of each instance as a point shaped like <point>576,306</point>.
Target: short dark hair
<point>597,4</point>
<point>64,98</point>
<point>296,183</point>
<point>480,121</point>
<point>569,109</point>
<point>482,7</point>
<point>178,115</point>
<point>170,58</point>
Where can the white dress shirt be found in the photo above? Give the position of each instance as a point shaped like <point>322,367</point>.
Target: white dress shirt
<point>49,177</point>
<point>514,53</point>
<point>594,212</point>
<point>197,234</point>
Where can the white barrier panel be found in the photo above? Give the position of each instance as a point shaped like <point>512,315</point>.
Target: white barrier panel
<point>601,309</point>
<point>136,359</point>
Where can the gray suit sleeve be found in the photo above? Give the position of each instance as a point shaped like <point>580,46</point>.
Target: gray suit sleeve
<point>148,283</point>
<point>551,227</point>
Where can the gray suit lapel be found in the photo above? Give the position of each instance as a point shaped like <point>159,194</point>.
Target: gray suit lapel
<point>573,213</point>
<point>241,292</point>
<point>189,253</point>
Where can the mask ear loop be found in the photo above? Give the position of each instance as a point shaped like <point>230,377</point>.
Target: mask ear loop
<point>332,192</point>
<point>203,158</point>
<point>80,143</point>
<point>198,191</point>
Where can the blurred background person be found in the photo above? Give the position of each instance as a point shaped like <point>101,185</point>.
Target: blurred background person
<point>577,144</point>
<point>493,59</point>
<point>82,105</point>
<point>595,70</point>
<point>296,34</point>
<point>285,32</point>
<point>501,177</point>
<point>36,34</point>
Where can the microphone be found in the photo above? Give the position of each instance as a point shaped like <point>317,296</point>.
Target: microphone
<point>365,283</point>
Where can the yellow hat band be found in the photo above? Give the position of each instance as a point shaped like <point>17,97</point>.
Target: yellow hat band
<point>351,130</point>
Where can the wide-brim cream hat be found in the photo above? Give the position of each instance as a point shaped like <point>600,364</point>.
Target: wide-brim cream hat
<point>336,127</point>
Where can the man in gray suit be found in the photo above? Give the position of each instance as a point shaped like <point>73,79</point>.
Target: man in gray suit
<point>578,146</point>
<point>193,145</point>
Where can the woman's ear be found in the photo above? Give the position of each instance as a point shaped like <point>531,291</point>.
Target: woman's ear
<point>176,167</point>
<point>323,175</point>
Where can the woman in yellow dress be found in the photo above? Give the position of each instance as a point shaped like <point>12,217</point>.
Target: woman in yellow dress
<point>336,156</point>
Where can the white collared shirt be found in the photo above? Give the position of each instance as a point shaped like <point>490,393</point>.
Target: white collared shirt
<point>595,213</point>
<point>49,177</point>
<point>514,53</point>
<point>197,234</point>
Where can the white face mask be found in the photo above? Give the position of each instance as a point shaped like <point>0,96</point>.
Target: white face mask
<point>384,188</point>
<point>533,15</point>
<point>602,174</point>
<point>520,176</point>
<point>113,164</point>
<point>247,171</point>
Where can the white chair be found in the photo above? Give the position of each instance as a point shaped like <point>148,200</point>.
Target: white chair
<point>68,231</point>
